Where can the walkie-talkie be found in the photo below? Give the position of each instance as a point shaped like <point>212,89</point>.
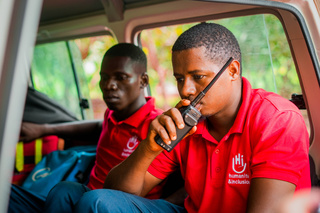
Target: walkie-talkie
<point>190,114</point>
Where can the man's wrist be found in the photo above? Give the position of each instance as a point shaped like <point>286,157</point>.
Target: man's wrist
<point>150,149</point>
<point>46,129</point>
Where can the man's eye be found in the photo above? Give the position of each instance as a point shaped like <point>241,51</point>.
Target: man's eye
<point>123,77</point>
<point>179,79</point>
<point>103,78</point>
<point>197,77</point>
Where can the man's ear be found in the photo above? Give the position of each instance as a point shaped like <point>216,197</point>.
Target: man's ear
<point>144,80</point>
<point>234,70</point>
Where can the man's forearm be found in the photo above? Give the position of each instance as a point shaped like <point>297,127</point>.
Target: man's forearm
<point>130,175</point>
<point>78,130</point>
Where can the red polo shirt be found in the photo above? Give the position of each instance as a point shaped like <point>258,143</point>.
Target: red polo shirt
<point>268,139</point>
<point>119,139</point>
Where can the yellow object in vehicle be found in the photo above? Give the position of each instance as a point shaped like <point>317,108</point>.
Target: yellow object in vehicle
<point>20,154</point>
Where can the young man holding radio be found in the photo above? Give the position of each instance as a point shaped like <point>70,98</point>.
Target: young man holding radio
<point>249,150</point>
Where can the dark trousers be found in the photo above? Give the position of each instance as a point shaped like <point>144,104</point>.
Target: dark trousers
<point>76,197</point>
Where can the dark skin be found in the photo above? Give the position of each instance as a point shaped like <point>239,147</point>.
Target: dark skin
<point>122,84</point>
<point>193,72</point>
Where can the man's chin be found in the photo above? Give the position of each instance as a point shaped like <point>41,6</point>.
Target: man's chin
<point>113,106</point>
<point>206,114</point>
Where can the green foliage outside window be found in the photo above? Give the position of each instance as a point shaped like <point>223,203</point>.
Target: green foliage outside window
<point>266,57</point>
<point>52,75</point>
<point>266,60</point>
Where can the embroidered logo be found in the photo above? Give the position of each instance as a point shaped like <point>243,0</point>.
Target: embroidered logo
<point>131,145</point>
<point>239,168</point>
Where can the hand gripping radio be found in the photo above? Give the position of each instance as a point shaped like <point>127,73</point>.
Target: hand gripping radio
<point>190,114</point>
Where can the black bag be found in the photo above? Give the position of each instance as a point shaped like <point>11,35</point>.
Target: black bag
<point>39,108</point>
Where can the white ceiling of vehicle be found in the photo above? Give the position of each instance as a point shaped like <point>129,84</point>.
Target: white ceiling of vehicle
<point>58,10</point>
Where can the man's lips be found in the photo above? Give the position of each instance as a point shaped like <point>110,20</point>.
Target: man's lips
<point>111,99</point>
<point>199,106</point>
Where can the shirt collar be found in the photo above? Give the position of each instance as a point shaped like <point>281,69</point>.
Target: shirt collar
<point>138,117</point>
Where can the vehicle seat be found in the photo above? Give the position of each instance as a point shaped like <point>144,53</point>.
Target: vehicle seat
<point>315,182</point>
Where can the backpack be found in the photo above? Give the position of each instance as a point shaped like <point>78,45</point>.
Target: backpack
<point>31,153</point>
<point>74,164</point>
<point>39,108</point>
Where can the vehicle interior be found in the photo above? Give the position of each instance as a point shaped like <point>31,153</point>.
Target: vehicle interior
<point>54,47</point>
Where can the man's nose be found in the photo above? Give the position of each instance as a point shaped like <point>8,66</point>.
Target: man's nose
<point>188,89</point>
<point>111,85</point>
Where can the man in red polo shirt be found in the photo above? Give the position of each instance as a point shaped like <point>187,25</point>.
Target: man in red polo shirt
<point>126,122</point>
<point>249,150</point>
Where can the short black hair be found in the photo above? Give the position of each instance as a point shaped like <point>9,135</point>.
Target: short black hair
<point>132,51</point>
<point>219,42</point>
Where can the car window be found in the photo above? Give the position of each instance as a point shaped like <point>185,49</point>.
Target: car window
<point>92,51</point>
<point>53,73</point>
<point>68,72</point>
<point>266,58</point>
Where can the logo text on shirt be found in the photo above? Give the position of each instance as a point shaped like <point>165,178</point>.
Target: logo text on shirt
<point>238,167</point>
<point>131,145</point>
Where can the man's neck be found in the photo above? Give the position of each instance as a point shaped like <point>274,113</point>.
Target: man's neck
<point>131,109</point>
<point>220,124</point>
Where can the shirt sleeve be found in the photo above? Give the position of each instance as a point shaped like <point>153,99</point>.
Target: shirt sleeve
<point>280,146</point>
<point>164,164</point>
